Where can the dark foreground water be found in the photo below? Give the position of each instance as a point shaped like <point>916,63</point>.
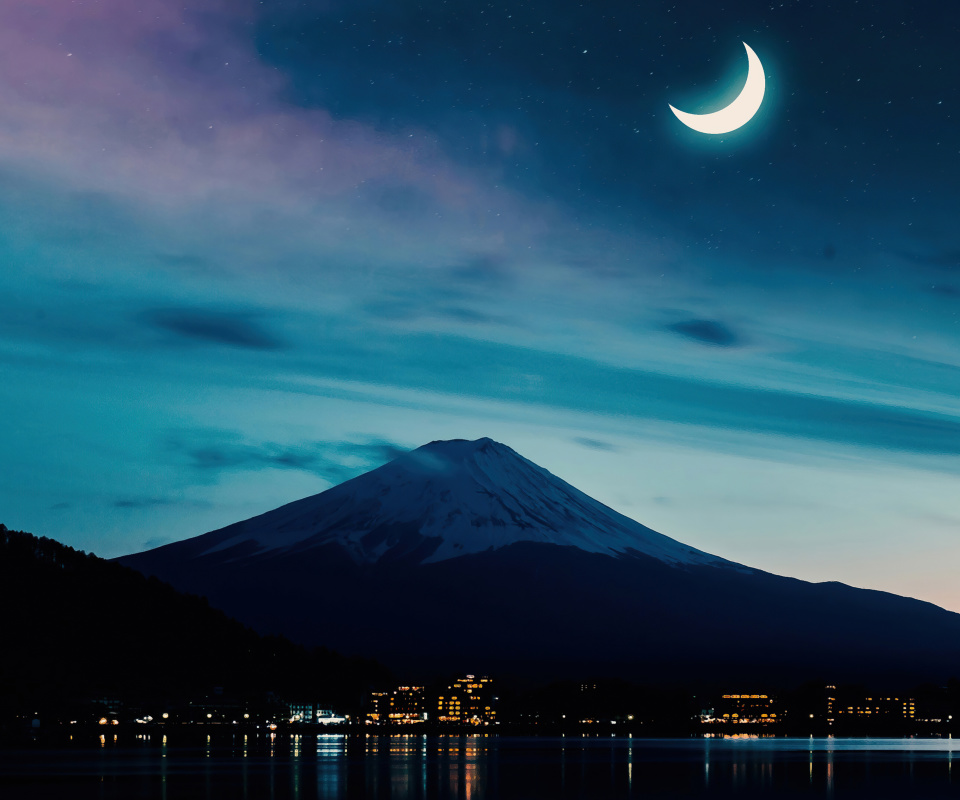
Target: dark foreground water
<point>330,767</point>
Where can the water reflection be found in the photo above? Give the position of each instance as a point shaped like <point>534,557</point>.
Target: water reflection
<point>830,752</point>
<point>295,771</point>
<point>476,767</point>
<point>163,768</point>
<point>331,755</point>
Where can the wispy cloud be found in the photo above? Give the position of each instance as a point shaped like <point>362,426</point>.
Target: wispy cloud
<point>596,444</point>
<point>706,331</point>
<point>234,329</point>
<point>945,289</point>
<point>141,502</point>
<point>215,451</point>
<point>145,503</point>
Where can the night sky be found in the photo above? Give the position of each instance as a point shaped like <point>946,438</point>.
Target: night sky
<point>249,250</point>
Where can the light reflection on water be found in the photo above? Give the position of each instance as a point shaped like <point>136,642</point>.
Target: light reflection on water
<point>413,767</point>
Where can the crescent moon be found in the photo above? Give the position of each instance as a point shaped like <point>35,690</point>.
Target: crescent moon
<point>740,111</point>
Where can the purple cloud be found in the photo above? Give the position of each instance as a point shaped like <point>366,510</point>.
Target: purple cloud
<point>168,105</point>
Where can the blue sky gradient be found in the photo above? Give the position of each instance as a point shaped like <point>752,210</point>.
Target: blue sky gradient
<point>250,252</point>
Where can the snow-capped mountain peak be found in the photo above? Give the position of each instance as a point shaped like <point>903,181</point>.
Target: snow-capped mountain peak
<point>444,500</point>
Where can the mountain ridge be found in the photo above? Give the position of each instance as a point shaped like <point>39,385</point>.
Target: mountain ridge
<point>444,500</point>
<point>562,586</point>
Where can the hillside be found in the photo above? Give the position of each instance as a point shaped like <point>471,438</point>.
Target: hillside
<point>77,626</point>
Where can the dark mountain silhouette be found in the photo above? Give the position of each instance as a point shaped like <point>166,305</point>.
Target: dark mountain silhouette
<point>76,626</point>
<point>464,555</point>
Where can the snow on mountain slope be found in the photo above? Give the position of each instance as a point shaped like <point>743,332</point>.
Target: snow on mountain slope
<point>444,500</point>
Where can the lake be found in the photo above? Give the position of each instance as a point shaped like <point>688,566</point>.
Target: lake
<point>333,766</point>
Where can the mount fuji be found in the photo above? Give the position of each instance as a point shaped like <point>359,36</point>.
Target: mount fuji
<point>463,555</point>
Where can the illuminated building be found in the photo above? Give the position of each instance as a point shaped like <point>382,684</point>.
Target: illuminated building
<point>300,712</point>
<point>875,708</point>
<point>831,703</point>
<point>405,705</point>
<point>742,709</point>
<point>379,705</point>
<point>112,705</point>
<point>468,701</point>
<point>213,710</point>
